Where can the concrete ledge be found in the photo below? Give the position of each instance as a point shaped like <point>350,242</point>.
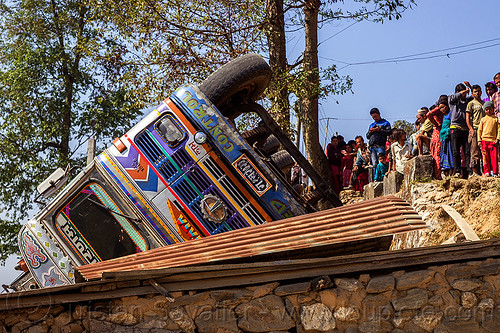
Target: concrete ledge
<point>419,169</point>
<point>393,182</point>
<point>373,190</point>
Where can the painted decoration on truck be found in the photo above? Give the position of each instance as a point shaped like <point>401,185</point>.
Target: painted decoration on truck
<point>51,278</point>
<point>252,175</point>
<point>43,264</point>
<point>33,252</point>
<point>205,115</point>
<point>183,224</point>
<point>281,208</point>
<point>140,171</point>
<point>96,228</point>
<point>79,244</point>
<point>210,122</point>
<point>127,186</point>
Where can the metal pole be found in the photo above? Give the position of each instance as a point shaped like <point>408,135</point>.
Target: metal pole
<point>91,150</point>
<point>299,129</point>
<point>326,131</point>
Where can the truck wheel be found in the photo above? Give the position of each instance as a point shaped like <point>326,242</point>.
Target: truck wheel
<point>312,197</point>
<point>258,133</point>
<point>270,145</point>
<point>283,160</point>
<point>239,81</point>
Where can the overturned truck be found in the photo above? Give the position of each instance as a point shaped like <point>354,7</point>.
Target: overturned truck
<point>182,173</point>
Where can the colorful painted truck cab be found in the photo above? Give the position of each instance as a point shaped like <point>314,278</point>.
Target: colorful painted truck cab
<point>181,173</point>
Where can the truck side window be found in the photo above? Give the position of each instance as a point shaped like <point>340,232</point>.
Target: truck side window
<point>170,131</point>
<point>91,228</point>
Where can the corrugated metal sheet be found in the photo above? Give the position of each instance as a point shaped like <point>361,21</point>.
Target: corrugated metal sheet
<point>369,219</point>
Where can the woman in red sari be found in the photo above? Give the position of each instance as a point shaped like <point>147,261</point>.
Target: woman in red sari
<point>436,118</point>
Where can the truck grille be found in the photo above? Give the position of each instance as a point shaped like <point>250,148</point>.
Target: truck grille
<point>191,184</point>
<point>233,190</point>
<point>184,189</point>
<point>170,168</point>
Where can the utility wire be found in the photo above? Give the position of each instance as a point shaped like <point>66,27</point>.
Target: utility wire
<point>338,32</point>
<point>421,56</point>
<point>441,50</point>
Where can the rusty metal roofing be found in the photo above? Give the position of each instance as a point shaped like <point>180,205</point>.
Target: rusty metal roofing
<point>357,222</point>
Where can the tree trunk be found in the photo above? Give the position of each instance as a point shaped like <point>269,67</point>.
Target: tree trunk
<point>278,90</point>
<point>310,122</point>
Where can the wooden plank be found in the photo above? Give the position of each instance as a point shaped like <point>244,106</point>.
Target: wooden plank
<point>462,223</point>
<point>293,272</point>
<point>443,253</point>
<point>54,298</point>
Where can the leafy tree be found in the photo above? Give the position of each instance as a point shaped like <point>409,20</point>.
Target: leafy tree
<point>311,87</point>
<point>170,43</point>
<point>406,125</point>
<point>8,238</point>
<point>278,91</point>
<point>60,82</point>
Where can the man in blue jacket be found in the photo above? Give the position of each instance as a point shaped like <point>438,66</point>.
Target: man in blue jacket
<point>377,135</point>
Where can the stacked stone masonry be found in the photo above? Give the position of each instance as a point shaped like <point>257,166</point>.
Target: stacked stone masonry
<point>449,298</point>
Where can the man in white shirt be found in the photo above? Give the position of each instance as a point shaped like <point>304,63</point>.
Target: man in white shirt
<point>401,152</point>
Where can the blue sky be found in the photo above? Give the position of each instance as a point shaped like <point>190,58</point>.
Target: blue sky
<point>398,89</point>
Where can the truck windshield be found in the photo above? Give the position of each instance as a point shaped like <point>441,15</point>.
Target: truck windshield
<point>90,225</point>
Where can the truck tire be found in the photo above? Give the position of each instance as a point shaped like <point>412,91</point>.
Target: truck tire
<point>312,197</point>
<point>283,160</point>
<point>239,81</point>
<point>270,145</point>
<point>258,133</point>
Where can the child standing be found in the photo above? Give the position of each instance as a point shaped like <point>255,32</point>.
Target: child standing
<point>359,176</point>
<point>401,152</point>
<point>488,134</point>
<point>435,116</point>
<point>346,165</point>
<point>382,168</point>
<point>390,140</point>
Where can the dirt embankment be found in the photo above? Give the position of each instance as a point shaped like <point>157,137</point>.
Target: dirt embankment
<point>477,199</point>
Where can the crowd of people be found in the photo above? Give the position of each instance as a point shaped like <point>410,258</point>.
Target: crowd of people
<point>460,131</point>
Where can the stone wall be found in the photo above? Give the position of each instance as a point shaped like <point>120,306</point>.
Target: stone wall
<point>461,297</point>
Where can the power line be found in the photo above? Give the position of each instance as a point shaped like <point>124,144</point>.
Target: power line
<point>418,56</point>
<point>442,50</point>
<point>428,57</point>
<point>338,32</point>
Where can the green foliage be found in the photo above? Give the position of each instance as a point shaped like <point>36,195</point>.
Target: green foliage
<point>167,44</point>
<point>406,125</point>
<point>60,82</point>
<point>8,239</point>
<point>360,10</point>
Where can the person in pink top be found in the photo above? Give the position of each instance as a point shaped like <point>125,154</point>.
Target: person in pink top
<point>435,116</point>
<point>490,89</point>
<point>495,99</point>
<point>346,165</point>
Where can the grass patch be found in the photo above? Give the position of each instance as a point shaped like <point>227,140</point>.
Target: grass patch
<point>490,235</point>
